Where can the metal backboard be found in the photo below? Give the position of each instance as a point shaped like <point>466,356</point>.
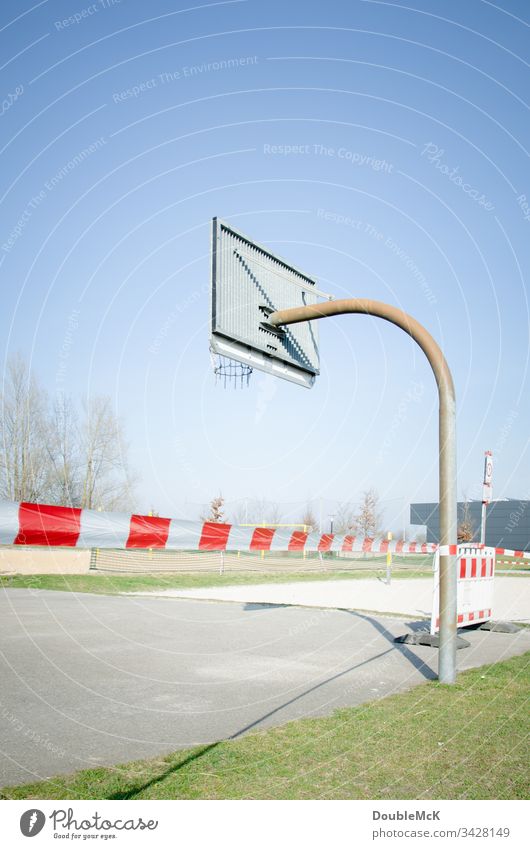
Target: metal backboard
<point>248,284</point>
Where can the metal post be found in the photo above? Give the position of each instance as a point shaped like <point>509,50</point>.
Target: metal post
<point>483,524</point>
<point>486,493</point>
<point>389,559</point>
<point>447,449</point>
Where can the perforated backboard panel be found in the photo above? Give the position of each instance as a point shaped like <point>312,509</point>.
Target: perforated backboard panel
<point>248,283</point>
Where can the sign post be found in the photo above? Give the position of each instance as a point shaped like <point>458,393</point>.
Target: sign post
<point>486,493</point>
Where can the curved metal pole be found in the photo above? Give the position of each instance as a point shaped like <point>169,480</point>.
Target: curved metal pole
<point>447,449</point>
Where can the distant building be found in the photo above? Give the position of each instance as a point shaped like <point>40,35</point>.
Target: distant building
<point>507,522</point>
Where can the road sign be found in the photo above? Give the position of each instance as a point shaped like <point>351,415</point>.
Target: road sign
<point>488,475</point>
<point>249,283</point>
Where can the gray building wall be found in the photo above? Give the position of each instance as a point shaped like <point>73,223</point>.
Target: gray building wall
<point>507,522</point>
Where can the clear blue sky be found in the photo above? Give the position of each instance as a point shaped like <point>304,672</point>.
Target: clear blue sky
<point>126,126</point>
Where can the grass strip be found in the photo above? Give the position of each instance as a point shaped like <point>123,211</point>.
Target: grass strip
<point>115,584</point>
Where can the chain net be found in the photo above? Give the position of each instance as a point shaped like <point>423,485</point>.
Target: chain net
<point>230,372</point>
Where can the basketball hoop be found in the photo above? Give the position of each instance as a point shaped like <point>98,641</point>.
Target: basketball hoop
<point>248,284</point>
<point>229,371</point>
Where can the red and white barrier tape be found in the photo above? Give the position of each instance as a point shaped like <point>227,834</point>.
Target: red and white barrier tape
<point>43,524</point>
<point>509,552</point>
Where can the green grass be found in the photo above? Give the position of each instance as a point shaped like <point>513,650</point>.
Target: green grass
<point>468,741</point>
<point>115,584</point>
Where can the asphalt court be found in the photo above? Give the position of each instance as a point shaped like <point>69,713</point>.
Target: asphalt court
<point>92,680</point>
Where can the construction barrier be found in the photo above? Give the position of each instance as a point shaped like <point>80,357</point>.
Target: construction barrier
<point>475,578</point>
<point>507,552</point>
<point>42,524</point>
<point>48,525</point>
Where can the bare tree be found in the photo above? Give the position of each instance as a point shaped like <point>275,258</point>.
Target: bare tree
<point>24,472</point>
<point>309,519</point>
<point>344,519</point>
<point>239,513</point>
<point>251,511</point>
<point>256,511</point>
<point>63,449</point>
<point>273,514</point>
<point>47,455</point>
<point>106,479</point>
<point>216,513</point>
<point>368,519</point>
<point>465,531</point>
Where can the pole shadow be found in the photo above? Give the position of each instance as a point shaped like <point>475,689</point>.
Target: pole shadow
<point>133,791</point>
<point>428,673</point>
<point>402,649</point>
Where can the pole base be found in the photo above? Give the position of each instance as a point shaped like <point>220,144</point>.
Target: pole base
<point>424,639</point>
<point>500,627</point>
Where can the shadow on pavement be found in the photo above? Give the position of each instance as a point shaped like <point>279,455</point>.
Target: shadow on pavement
<point>409,655</point>
<point>419,664</point>
<point>130,794</point>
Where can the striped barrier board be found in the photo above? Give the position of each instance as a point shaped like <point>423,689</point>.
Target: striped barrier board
<point>507,552</point>
<point>475,583</point>
<point>49,525</point>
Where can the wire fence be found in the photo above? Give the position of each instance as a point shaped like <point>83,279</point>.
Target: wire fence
<point>147,561</point>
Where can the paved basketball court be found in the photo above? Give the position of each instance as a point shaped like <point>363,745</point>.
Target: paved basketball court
<point>96,680</point>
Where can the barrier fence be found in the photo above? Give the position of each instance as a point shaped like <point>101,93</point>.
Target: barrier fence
<point>49,525</point>
<point>134,543</point>
<point>475,586</point>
